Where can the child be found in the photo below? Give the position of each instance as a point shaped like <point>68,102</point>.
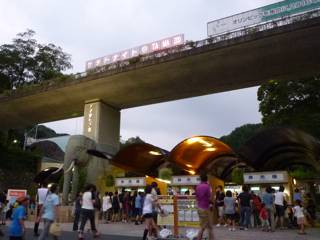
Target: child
<point>17,228</point>
<point>298,213</point>
<point>264,217</point>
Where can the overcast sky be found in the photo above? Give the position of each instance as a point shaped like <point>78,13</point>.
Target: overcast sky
<point>87,29</point>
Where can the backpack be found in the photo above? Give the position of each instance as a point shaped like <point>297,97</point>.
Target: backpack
<point>257,203</point>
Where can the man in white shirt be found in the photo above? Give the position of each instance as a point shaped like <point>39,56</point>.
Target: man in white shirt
<point>41,197</point>
<point>280,206</point>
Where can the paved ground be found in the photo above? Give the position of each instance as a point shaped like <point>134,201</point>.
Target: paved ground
<point>123,231</point>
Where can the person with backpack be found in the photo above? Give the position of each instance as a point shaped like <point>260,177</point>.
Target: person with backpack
<point>264,218</point>
<point>256,207</point>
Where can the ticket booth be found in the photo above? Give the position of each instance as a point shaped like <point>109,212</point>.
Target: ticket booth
<point>130,184</point>
<point>258,181</point>
<point>184,185</point>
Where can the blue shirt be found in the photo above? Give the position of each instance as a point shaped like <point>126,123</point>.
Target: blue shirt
<point>49,205</point>
<point>15,229</point>
<point>138,202</point>
<point>267,199</point>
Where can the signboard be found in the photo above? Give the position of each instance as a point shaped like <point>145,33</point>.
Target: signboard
<point>185,180</point>
<point>166,203</point>
<point>265,177</point>
<point>134,52</point>
<point>131,182</point>
<point>187,211</point>
<point>260,15</point>
<point>14,194</point>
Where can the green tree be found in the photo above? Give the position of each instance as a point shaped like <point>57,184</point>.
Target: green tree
<point>25,61</point>
<point>240,135</point>
<point>292,103</point>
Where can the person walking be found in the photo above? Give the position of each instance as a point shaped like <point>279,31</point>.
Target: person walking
<point>279,201</point>
<point>49,211</point>
<point>41,197</point>
<point>150,202</point>
<point>17,227</point>
<point>264,218</point>
<point>204,200</point>
<point>88,211</point>
<point>268,201</point>
<point>77,211</point>
<point>245,208</point>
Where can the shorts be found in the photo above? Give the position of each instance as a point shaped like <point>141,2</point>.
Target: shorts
<point>279,211</point>
<point>148,215</point>
<point>205,218</point>
<point>300,220</point>
<point>231,216</point>
<point>220,211</point>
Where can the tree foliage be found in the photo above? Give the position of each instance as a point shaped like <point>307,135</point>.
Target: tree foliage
<point>240,135</point>
<point>292,103</point>
<point>25,61</point>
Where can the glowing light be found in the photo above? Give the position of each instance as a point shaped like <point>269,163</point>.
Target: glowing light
<point>189,165</point>
<point>15,141</point>
<point>191,172</point>
<point>164,181</point>
<point>49,185</point>
<point>212,149</point>
<point>294,181</point>
<point>155,153</point>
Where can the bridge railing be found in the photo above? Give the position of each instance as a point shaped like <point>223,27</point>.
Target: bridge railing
<point>189,45</point>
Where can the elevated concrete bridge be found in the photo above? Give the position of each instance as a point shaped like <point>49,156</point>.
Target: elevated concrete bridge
<point>288,52</point>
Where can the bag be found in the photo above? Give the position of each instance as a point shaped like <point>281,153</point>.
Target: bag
<point>55,229</point>
<point>257,203</point>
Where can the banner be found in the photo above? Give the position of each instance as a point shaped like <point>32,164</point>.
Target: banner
<point>260,15</point>
<point>134,52</point>
<point>14,194</point>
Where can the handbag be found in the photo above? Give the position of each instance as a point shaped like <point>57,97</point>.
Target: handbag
<point>55,229</point>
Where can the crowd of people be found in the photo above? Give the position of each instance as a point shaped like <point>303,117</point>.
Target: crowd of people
<point>267,211</point>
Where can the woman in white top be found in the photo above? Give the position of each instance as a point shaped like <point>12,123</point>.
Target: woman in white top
<point>147,211</point>
<point>87,210</point>
<point>106,206</point>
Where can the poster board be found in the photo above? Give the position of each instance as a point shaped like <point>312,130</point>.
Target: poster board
<point>167,203</point>
<point>187,211</point>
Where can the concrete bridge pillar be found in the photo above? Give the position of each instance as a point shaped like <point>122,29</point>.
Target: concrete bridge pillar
<point>102,124</point>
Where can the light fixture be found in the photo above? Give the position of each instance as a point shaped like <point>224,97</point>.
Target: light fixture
<point>199,140</point>
<point>15,141</point>
<point>189,165</point>
<point>164,181</point>
<point>294,181</point>
<point>210,149</point>
<point>191,172</point>
<point>155,153</point>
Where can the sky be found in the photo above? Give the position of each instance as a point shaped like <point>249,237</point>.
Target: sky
<point>90,29</point>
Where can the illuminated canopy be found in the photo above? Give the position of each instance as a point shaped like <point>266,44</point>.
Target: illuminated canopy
<point>141,158</point>
<point>203,153</point>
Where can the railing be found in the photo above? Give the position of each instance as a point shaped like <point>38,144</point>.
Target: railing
<point>198,44</point>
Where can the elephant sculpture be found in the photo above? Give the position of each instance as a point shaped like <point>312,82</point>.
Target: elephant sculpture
<point>76,157</point>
